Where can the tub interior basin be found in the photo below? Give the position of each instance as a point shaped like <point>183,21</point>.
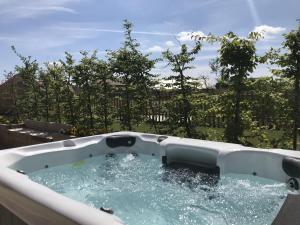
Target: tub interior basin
<point>140,190</point>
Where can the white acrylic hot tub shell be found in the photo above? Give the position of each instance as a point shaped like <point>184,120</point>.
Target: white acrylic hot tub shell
<point>36,204</point>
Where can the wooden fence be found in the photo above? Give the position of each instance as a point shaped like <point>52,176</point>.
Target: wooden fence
<point>160,114</point>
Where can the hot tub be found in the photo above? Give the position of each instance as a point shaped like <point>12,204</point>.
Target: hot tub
<point>147,179</point>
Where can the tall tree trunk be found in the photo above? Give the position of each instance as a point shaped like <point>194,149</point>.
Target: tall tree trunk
<point>14,98</point>
<point>70,100</point>
<point>47,104</point>
<point>296,112</point>
<point>153,122</point>
<point>128,110</point>
<point>105,105</point>
<point>186,107</point>
<point>35,105</point>
<point>70,103</point>
<point>237,115</point>
<point>90,112</point>
<point>58,116</point>
<point>71,107</point>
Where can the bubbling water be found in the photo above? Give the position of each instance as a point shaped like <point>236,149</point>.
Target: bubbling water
<point>143,192</point>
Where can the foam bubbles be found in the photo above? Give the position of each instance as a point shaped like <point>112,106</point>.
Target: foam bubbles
<point>142,192</point>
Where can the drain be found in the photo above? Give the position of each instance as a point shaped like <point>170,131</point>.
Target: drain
<point>293,183</point>
<point>21,172</point>
<point>107,210</point>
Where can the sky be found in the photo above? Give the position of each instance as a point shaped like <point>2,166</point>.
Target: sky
<point>45,29</point>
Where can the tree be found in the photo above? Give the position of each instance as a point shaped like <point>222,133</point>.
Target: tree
<point>132,69</point>
<point>28,100</point>
<point>104,92</point>
<point>85,78</point>
<point>12,91</point>
<point>68,89</point>
<point>45,94</point>
<point>55,73</point>
<point>215,66</point>
<point>266,110</point>
<point>288,58</point>
<point>237,60</point>
<point>180,114</point>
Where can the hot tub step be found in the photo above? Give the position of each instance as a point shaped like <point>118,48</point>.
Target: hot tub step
<point>289,212</point>
<point>202,168</point>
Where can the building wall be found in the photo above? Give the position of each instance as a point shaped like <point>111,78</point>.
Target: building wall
<point>13,86</point>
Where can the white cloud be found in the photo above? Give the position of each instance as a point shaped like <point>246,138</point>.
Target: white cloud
<point>92,28</point>
<point>46,38</point>
<point>269,32</point>
<point>31,12</point>
<point>64,34</point>
<point>205,57</point>
<point>262,70</point>
<point>6,38</point>
<point>170,44</point>
<point>48,8</point>
<point>14,9</point>
<point>187,36</point>
<point>155,48</point>
<point>210,48</point>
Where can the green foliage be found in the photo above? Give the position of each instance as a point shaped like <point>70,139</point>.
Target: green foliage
<point>12,91</point>
<point>85,79</point>
<point>28,102</point>
<point>288,59</point>
<point>236,61</point>
<point>133,70</point>
<point>104,92</point>
<point>70,104</point>
<point>4,120</point>
<point>55,74</point>
<point>180,106</point>
<point>45,94</point>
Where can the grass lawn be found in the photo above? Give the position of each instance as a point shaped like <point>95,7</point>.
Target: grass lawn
<point>264,139</point>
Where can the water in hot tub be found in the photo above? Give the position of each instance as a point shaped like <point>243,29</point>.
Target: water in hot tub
<point>142,192</point>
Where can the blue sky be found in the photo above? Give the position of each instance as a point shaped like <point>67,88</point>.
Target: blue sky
<point>45,29</point>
